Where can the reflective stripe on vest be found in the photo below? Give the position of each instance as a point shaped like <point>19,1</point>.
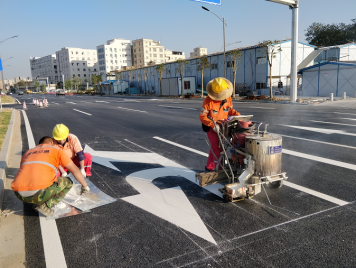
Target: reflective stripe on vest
<point>41,162</point>
<point>48,146</point>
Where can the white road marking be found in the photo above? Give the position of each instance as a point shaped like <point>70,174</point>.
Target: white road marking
<point>132,110</point>
<point>138,145</point>
<point>292,185</point>
<point>346,146</point>
<point>81,111</point>
<point>348,119</point>
<point>343,113</point>
<point>52,245</point>
<point>177,107</point>
<point>322,130</point>
<point>260,108</point>
<point>170,204</point>
<point>17,101</point>
<point>102,101</point>
<point>56,103</point>
<point>332,123</point>
<point>70,102</point>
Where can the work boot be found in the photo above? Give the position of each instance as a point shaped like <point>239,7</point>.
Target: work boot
<point>44,210</point>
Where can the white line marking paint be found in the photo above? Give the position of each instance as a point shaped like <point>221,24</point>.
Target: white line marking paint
<point>292,185</point>
<point>139,146</point>
<point>56,103</point>
<point>343,113</point>
<point>17,101</point>
<point>102,101</point>
<point>52,245</point>
<point>315,193</point>
<point>132,110</point>
<point>322,130</point>
<point>348,119</point>
<point>81,112</point>
<point>176,107</point>
<point>319,141</point>
<point>260,108</point>
<point>332,123</point>
<point>182,146</point>
<point>70,102</point>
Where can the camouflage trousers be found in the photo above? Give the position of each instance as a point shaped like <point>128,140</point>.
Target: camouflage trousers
<point>51,195</point>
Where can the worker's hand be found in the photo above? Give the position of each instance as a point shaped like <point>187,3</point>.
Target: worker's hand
<point>64,174</point>
<point>84,190</point>
<point>216,128</point>
<point>83,172</point>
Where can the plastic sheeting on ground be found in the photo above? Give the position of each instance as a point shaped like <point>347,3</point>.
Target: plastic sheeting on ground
<point>74,203</point>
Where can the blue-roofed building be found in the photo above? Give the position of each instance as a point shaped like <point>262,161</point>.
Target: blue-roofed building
<point>345,52</point>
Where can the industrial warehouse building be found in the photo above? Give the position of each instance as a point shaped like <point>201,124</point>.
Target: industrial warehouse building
<point>253,71</point>
<point>329,77</point>
<point>345,52</point>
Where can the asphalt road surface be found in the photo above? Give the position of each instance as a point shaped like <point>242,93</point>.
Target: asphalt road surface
<point>311,222</point>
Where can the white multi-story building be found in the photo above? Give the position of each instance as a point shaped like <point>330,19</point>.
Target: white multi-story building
<point>147,51</point>
<point>45,67</point>
<point>77,62</point>
<point>199,51</point>
<point>114,55</point>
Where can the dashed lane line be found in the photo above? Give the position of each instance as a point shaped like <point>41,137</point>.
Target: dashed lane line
<point>52,245</point>
<point>132,110</point>
<point>332,123</point>
<point>176,107</point>
<point>81,112</point>
<point>292,185</point>
<point>70,102</point>
<point>348,119</point>
<point>340,145</point>
<point>102,101</point>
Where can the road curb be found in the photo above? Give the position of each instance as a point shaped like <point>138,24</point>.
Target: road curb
<point>5,155</point>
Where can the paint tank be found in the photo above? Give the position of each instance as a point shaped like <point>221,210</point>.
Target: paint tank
<point>267,153</point>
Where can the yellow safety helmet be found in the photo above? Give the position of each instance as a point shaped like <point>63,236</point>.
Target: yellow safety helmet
<point>60,132</point>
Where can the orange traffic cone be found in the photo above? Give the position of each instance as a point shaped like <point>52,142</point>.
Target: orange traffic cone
<point>33,102</point>
<point>45,103</point>
<point>24,105</point>
<point>40,104</point>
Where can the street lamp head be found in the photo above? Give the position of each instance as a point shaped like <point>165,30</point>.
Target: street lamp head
<point>205,8</point>
<point>14,36</point>
<point>292,3</point>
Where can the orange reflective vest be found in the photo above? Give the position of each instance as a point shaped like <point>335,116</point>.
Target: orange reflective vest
<point>216,111</point>
<point>38,168</point>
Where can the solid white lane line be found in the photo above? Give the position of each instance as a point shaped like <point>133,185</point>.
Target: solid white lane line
<point>176,107</point>
<point>332,123</point>
<point>70,102</point>
<point>81,111</point>
<point>182,146</point>
<point>292,185</point>
<point>102,101</point>
<point>346,146</point>
<point>320,159</point>
<point>343,113</point>
<point>315,193</point>
<point>52,245</point>
<point>348,119</point>
<point>17,101</point>
<point>139,146</point>
<point>132,110</point>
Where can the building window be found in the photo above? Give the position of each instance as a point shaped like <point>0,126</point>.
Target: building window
<point>186,84</point>
<point>230,64</point>
<point>260,85</point>
<point>72,63</point>
<point>79,69</point>
<point>261,60</point>
<point>161,55</point>
<point>168,72</point>
<point>214,66</point>
<point>84,69</point>
<point>85,75</point>
<point>78,75</point>
<point>154,50</point>
<point>155,55</point>
<point>160,50</point>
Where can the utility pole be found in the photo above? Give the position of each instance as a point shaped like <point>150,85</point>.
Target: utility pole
<point>3,82</point>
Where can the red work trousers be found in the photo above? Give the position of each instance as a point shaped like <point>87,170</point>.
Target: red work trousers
<point>214,143</point>
<point>87,164</point>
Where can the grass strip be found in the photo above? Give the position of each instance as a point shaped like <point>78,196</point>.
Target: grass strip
<point>7,99</point>
<point>5,117</point>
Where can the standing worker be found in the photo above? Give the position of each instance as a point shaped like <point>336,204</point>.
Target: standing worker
<point>36,181</point>
<point>71,145</point>
<point>218,106</point>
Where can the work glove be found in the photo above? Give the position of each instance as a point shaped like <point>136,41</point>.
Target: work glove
<point>65,174</point>
<point>84,190</point>
<point>83,172</point>
<point>216,128</point>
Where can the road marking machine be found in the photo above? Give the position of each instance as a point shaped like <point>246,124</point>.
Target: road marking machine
<point>249,158</point>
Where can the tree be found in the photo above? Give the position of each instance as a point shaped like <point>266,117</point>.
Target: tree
<point>76,82</point>
<point>272,49</point>
<point>36,84</point>
<point>234,56</point>
<point>43,87</point>
<point>321,35</point>
<point>181,69</point>
<point>146,72</point>
<point>68,83</point>
<point>94,80</point>
<point>138,80</point>
<point>131,72</point>
<point>160,70</point>
<point>203,63</point>
<point>21,83</point>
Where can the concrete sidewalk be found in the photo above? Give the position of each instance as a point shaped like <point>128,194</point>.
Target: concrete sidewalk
<point>12,235</point>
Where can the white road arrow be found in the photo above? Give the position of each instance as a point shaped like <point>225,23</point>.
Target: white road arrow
<point>323,130</point>
<point>169,204</point>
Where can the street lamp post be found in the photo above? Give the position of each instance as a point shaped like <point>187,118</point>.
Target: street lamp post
<point>224,24</point>
<point>2,73</point>
<point>293,4</point>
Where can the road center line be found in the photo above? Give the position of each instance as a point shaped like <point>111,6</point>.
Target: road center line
<point>102,101</point>
<point>177,107</point>
<point>332,123</point>
<point>132,110</point>
<point>346,146</point>
<point>81,111</point>
<point>289,184</point>
<point>52,245</point>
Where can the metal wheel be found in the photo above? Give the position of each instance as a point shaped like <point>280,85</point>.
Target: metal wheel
<point>226,198</point>
<point>275,185</point>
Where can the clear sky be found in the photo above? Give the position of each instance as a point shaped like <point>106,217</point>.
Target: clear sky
<point>45,26</point>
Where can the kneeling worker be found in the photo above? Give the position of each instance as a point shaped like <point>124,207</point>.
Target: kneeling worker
<point>71,145</point>
<point>216,106</point>
<point>36,181</point>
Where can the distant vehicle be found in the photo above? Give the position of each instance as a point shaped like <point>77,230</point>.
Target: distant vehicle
<point>60,93</point>
<point>28,92</point>
<point>10,93</point>
<point>20,93</point>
